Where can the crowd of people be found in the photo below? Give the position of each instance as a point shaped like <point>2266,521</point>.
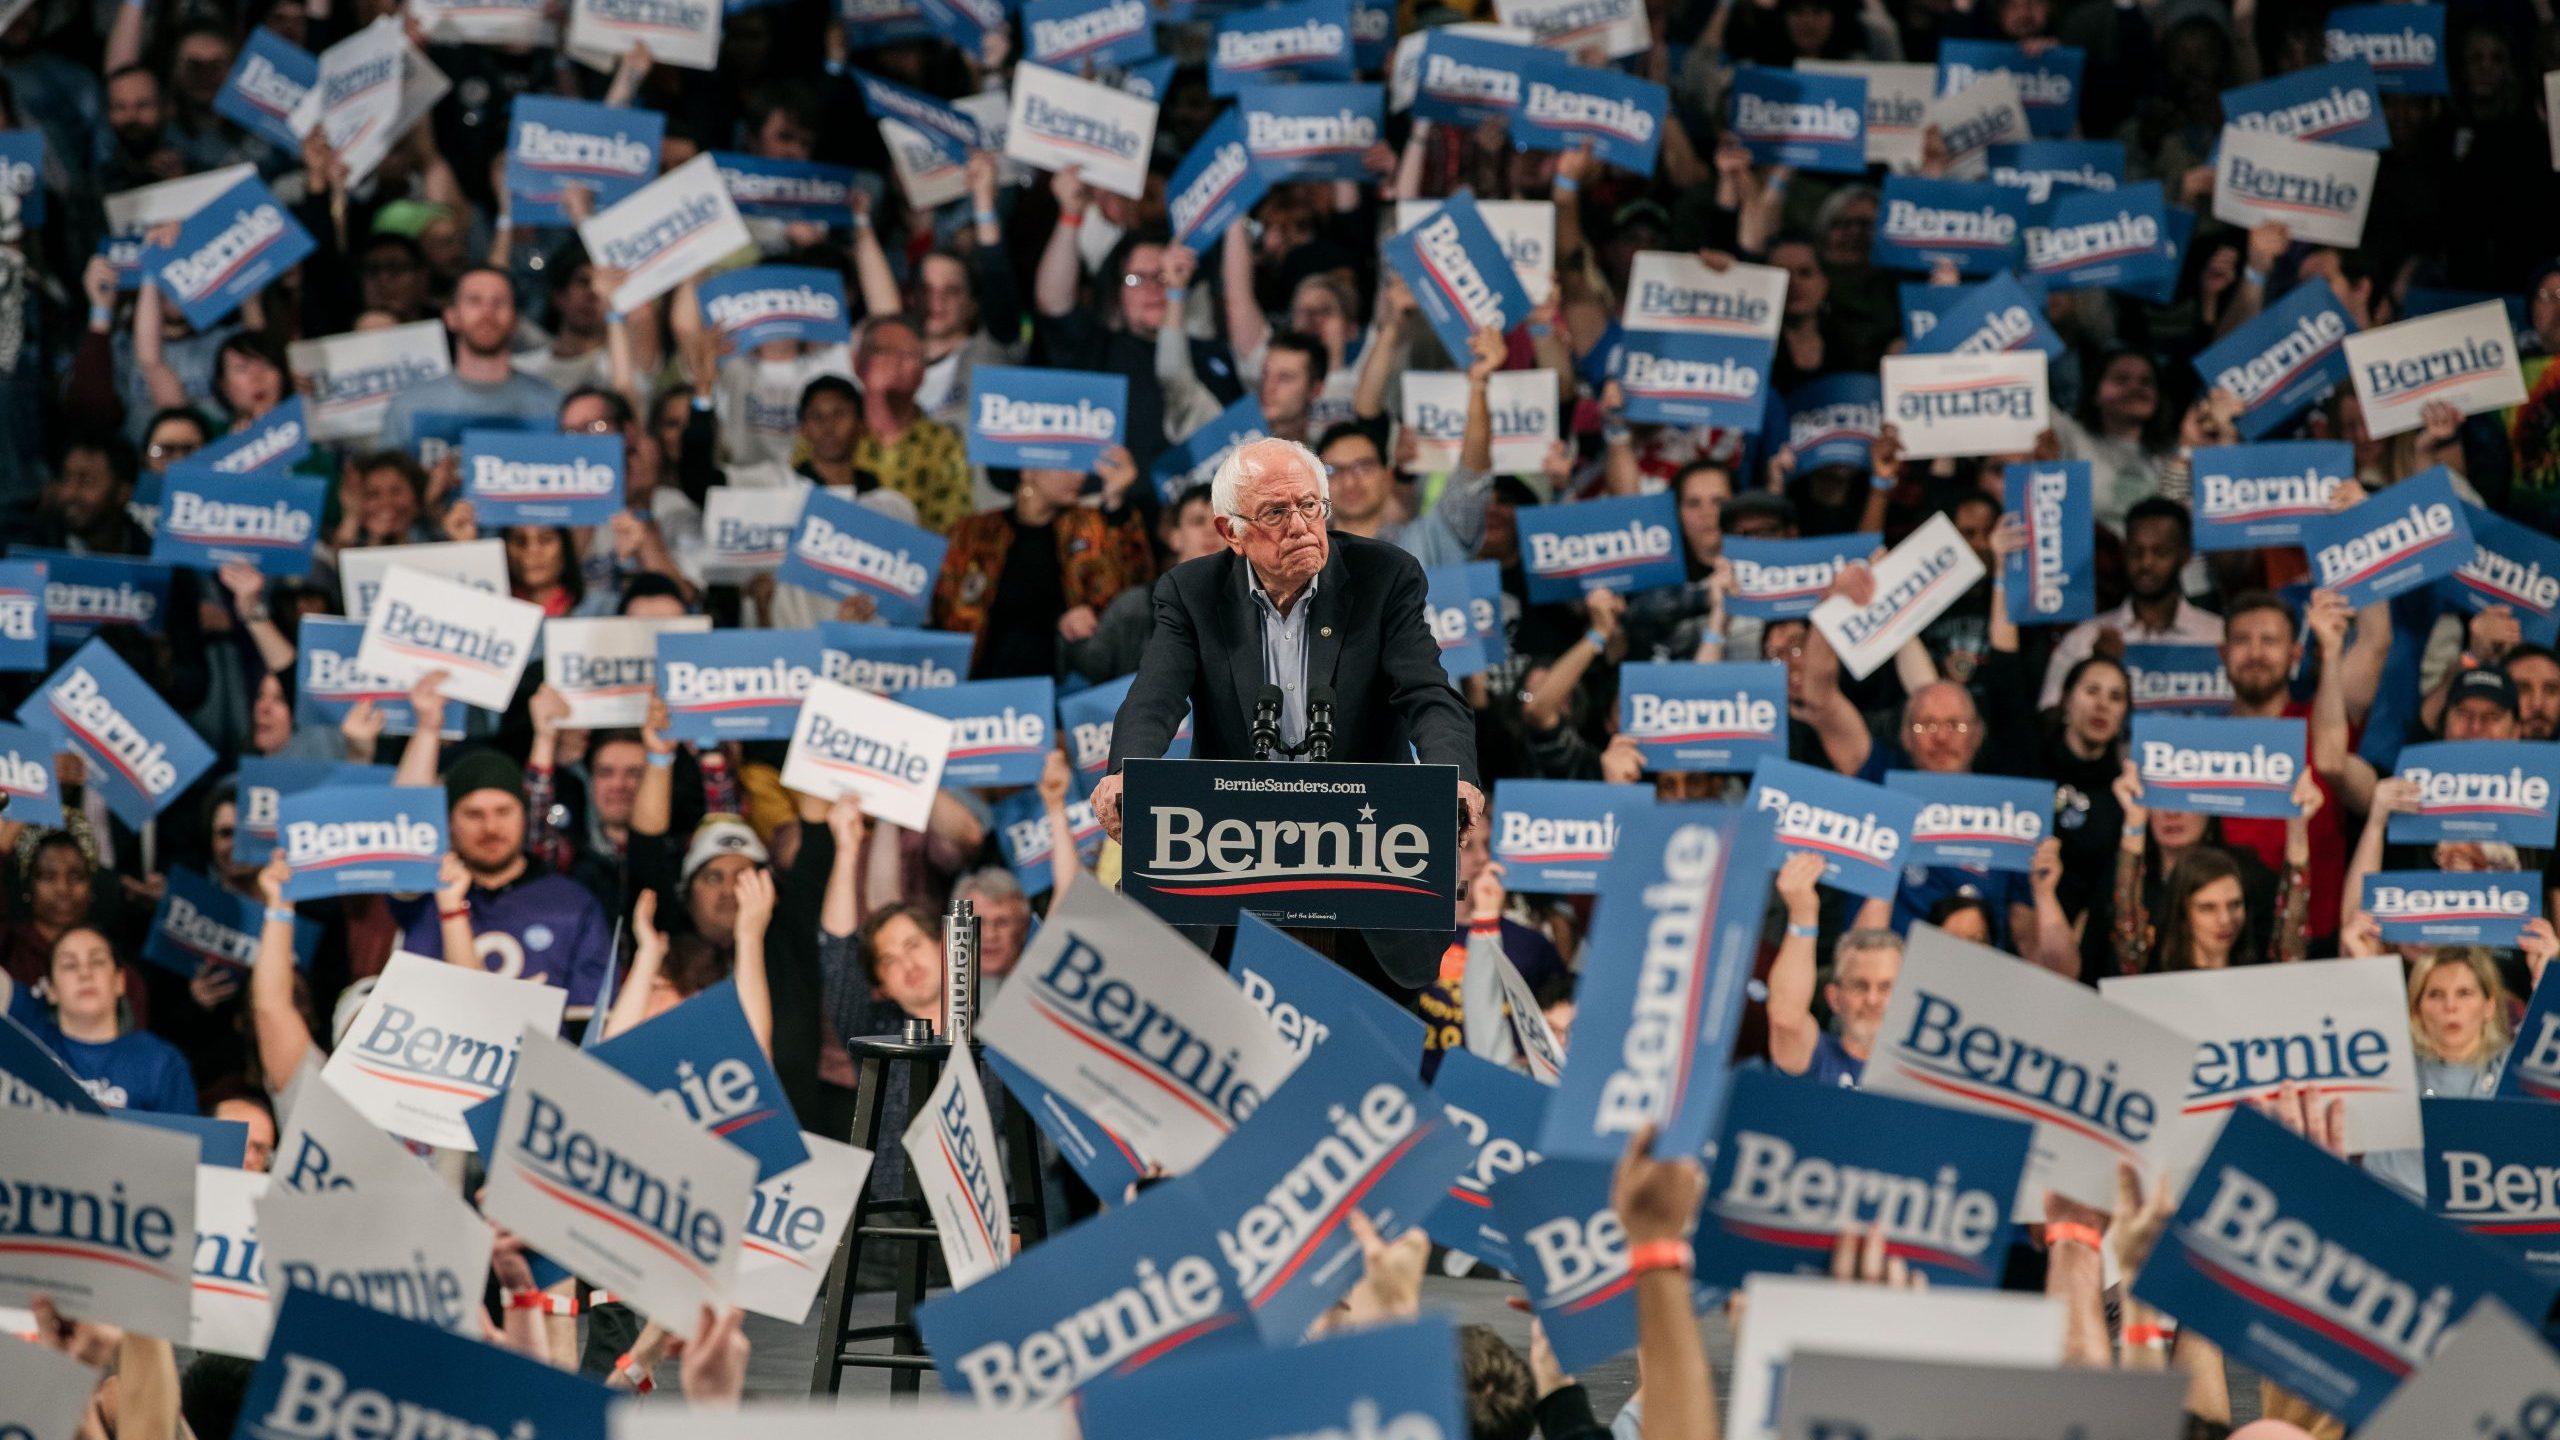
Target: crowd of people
<point>633,869</point>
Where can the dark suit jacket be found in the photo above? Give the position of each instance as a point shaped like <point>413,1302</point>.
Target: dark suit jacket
<point>1367,639</point>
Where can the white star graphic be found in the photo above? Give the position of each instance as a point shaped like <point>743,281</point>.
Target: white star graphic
<point>1368,812</point>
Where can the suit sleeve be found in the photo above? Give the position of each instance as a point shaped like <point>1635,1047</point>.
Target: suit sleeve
<point>1167,666</point>
<point>1443,731</point>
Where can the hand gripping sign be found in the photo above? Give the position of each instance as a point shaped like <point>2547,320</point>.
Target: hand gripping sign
<point>1672,292</point>
<point>140,752</point>
<point>2298,1264</point>
<point>1059,122</point>
<point>1967,1028</point>
<point>351,378</point>
<point>1678,923</point>
<point>677,32</point>
<point>1397,1381</point>
<point>888,754</point>
<point>1118,1014</point>
<point>1860,830</point>
<point>1308,998</point>
<point>587,1170</point>
<point>423,623</point>
<point>2338,1029</point>
<point>2319,192</point>
<point>102,1219</point>
<point>1915,583</point>
<point>433,1040</point>
<point>951,1152</point>
<point>2053,580</point>
<point>1458,273</point>
<point>2283,360</point>
<point>334,1366</point>
<point>1570,1249</point>
<point>2219,765</point>
<point>2465,358</point>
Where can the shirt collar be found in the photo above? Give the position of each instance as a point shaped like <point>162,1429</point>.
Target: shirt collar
<point>1262,598</point>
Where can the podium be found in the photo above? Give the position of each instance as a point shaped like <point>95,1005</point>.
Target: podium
<point>1306,845</point>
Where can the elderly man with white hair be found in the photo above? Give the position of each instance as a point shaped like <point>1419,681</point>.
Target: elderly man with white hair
<point>1290,603</point>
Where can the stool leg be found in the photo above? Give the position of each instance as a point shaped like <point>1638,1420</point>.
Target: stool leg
<point>922,1075</point>
<point>1023,1179</point>
<point>835,1303</point>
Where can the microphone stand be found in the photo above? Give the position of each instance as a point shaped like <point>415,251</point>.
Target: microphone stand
<point>1320,723</point>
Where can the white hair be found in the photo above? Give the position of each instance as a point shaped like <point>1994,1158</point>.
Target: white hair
<point>1253,460</point>
<point>990,883</point>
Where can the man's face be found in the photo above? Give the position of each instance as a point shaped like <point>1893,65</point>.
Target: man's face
<point>85,491</point>
<point>1142,289</point>
<point>950,312</point>
<point>1283,544</point>
<point>1860,985</point>
<point>2477,718</point>
<point>1356,477</point>
<point>204,63</point>
<point>2546,313</point>
<point>892,363</point>
<point>483,314</point>
<point>488,830</point>
<point>581,309</point>
<point>1192,535</point>
<point>2154,553</point>
<point>2258,654</point>
<point>783,137</point>
<point>134,113</point>
<point>2537,682</point>
<point>713,895</point>
<point>1943,732</point>
<point>394,281</point>
<point>613,780</point>
<point>262,1132</point>
<point>1002,927</point>
<point>830,424</point>
<point>908,963</point>
<point>1975,520</point>
<point>1286,386</point>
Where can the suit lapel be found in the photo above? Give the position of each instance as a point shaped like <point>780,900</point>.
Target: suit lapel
<point>1333,603</point>
<point>1244,643</point>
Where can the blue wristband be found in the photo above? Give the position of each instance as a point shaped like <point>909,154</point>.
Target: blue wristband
<point>2254,277</point>
<point>986,217</point>
<point>281,915</point>
<point>1803,932</point>
<point>1567,184</point>
<point>702,403</point>
<point>661,762</point>
<point>1597,640</point>
<point>101,316</point>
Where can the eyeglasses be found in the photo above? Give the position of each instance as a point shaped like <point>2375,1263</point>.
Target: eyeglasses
<point>172,449</point>
<point>1134,280</point>
<point>594,427</point>
<point>1276,518</point>
<point>1352,467</point>
<point>1957,728</point>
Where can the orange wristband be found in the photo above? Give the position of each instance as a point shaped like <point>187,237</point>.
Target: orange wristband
<point>2071,1230</point>
<point>2149,1337</point>
<point>1660,1255</point>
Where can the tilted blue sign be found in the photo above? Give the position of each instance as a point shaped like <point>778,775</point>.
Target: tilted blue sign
<point>2512,565</point>
<point>1458,273</point>
<point>267,82</point>
<point>1992,318</point>
<point>1399,1380</point>
<point>843,548</point>
<point>242,241</point>
<point>333,1363</point>
<point>140,753</point>
<point>1861,832</point>
<point>2333,104</point>
<point>1626,544</point>
<point>2410,534</point>
<point>2282,360</point>
<point>1498,1110</point>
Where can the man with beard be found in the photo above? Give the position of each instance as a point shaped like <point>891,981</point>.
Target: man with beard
<point>138,118</point>
<point>2158,538</point>
<point>2261,648</point>
<point>2535,673</point>
<point>1863,967</point>
<point>484,381</point>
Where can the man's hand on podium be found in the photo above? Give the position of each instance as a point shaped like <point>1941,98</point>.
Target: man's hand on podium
<point>1106,804</point>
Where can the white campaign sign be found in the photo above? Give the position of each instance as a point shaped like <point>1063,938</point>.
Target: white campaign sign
<point>1788,1313</point>
<point>434,1040</point>
<point>951,1151</point>
<point>2321,193</point>
<point>413,1251</point>
<point>1520,405</point>
<point>1897,96</point>
<point>1985,113</point>
<point>230,1313</point>
<point>1967,404</point>
<point>1059,122</point>
<point>2465,358</point>
<point>2492,1377</point>
<point>422,623</point>
<point>1503,1022</point>
<point>793,1226</point>
<point>669,230</point>
<point>1915,583</point>
<point>1618,27</point>
<point>748,529</point>
<point>44,1392</point>
<point>485,22</point>
<point>827,1420</point>
<point>1831,1396</point>
<point>171,202</point>
<point>684,33</point>
<point>850,741</point>
<point>480,564</point>
<point>930,180</point>
<point>349,379</point>
<point>369,65</point>
<point>328,1144</point>
<point>1972,1029</point>
<point>1104,996</point>
<point>1673,292</point>
<point>607,669</point>
<point>1525,229</point>
<point>101,1218</point>
<point>590,1172</point>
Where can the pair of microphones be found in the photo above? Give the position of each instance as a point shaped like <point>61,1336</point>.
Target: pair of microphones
<point>1318,743</point>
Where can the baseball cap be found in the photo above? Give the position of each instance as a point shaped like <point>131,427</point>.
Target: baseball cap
<point>2490,685</point>
<point>720,835</point>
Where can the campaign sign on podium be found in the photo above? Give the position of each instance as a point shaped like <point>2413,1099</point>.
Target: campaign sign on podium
<point>1368,847</point>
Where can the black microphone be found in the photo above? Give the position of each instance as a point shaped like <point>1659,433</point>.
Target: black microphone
<point>1266,722</point>
<point>1319,722</point>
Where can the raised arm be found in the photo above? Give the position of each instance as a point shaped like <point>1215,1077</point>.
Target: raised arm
<point>284,1040</point>
<point>1379,362</point>
<point>1657,1201</point>
<point>1248,329</point>
<point>420,757</point>
<point>871,263</point>
<point>2330,755</point>
<point>648,960</point>
<point>1485,352</point>
<point>755,914</point>
<point>1057,777</point>
<point>1053,285</point>
<point>1792,1031</point>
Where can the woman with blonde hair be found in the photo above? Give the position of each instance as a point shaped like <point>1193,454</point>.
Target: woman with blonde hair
<point>2458,1023</point>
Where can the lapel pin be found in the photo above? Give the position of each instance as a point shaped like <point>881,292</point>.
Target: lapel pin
<point>1326,632</point>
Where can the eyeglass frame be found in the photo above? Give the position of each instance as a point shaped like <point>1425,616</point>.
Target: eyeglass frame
<point>1266,523</point>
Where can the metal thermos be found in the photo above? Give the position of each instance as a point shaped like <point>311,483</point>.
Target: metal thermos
<point>960,973</point>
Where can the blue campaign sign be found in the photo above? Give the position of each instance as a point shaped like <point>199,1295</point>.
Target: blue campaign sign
<point>264,781</point>
<point>1195,461</point>
<point>2218,764</point>
<point>1498,1110</point>
<point>2333,104</point>
<point>241,242</point>
<point>522,477</point>
<point>141,753</point>
<point>1485,604</point>
<point>702,1061</point>
<point>331,1362</point>
<point>1071,34</point>
<point>2039,166</point>
<point>1101,1158</point>
<point>1678,926</point>
<point>2048,79</point>
<point>1861,831</point>
<point>1004,730</point>
<point>765,303</point>
<point>1798,1165</point>
<point>1813,122</point>
<point>362,840</point>
<point>26,775</point>
<point>1835,421</point>
<point>951,133</point>
<point>2495,790</point>
<point>1981,822</point>
<point>2251,496</point>
<point>435,434</point>
<point>1975,225</point>
<point>328,683</point>
<point>1310,999</point>
<point>1216,183</point>
<point>736,684</point>
<point>2403,43</point>
<point>1696,379</point>
<point>2512,565</point>
<point>1626,544</point>
<point>553,144</point>
<point>1401,1381</point>
<point>1022,829</point>
<point>2406,536</point>
<point>209,520</point>
<point>843,548</point>
<point>32,1077</point>
<point>22,172</point>
<point>1552,836</point>
<point>1466,80</point>
<point>1151,79</point>
<point>1085,720</point>
<point>2054,579</point>
<point>1356,1129</point>
<point>84,594</point>
<point>2299,1264</point>
<point>1991,318</point>
<point>1308,40</point>
<point>1457,271</point>
<point>1044,419</point>
<point>889,661</point>
<point>1784,579</point>
<point>1567,105</point>
<point>1570,1251</point>
<point>2486,1165</point>
<point>1448,607</point>
<point>199,922</point>
<point>2436,907</point>
<point>1132,1286</point>
<point>267,82</point>
<point>804,191</point>
<point>23,624</point>
<point>2114,238</point>
<point>1716,718</point>
<point>276,440</point>
<point>223,1144</point>
<point>2282,361</point>
<point>2533,1066</point>
<point>2175,239</point>
<point>1311,131</point>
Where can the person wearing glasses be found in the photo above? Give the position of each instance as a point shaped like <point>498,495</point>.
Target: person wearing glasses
<point>1293,604</point>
